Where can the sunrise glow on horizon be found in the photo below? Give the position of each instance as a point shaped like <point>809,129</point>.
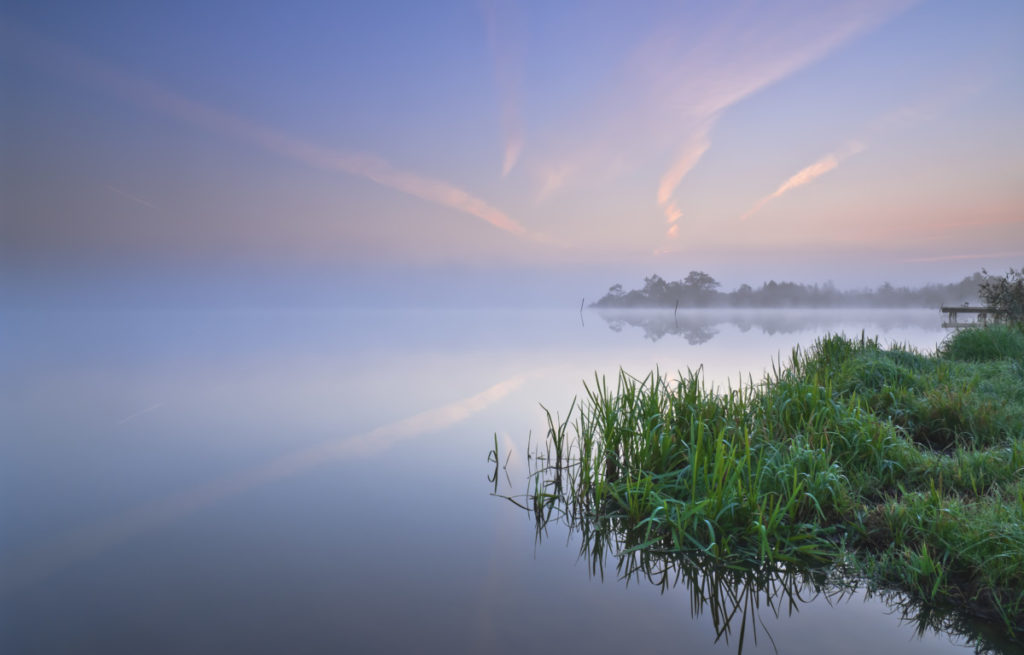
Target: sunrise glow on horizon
<point>657,137</point>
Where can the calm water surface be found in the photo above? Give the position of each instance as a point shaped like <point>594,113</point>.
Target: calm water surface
<point>316,481</point>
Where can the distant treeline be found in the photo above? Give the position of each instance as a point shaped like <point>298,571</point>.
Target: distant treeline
<point>698,289</point>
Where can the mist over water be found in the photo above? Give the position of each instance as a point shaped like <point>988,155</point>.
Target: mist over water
<point>262,477</point>
<point>274,280</point>
<point>241,285</point>
<point>698,326</point>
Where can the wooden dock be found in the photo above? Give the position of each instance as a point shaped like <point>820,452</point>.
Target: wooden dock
<point>983,316</point>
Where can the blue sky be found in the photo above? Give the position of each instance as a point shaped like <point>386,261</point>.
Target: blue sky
<point>852,141</point>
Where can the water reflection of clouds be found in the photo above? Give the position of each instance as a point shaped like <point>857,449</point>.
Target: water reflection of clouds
<point>102,535</point>
<point>702,325</point>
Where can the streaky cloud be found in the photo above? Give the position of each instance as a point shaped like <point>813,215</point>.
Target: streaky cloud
<point>164,101</point>
<point>506,39</point>
<point>672,213</point>
<point>959,257</point>
<point>513,147</point>
<point>808,174</point>
<point>554,178</point>
<point>714,75</point>
<point>685,161</point>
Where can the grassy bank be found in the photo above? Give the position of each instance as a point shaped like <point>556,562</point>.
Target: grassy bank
<point>905,468</point>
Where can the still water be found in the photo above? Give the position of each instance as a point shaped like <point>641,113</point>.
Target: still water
<point>269,481</point>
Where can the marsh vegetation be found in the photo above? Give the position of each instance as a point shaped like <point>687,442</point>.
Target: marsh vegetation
<point>851,461</point>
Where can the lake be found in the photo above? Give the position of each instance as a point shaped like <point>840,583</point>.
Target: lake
<point>270,481</point>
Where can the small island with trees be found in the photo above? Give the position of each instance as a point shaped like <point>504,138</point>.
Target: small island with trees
<point>848,463</point>
<point>699,289</point>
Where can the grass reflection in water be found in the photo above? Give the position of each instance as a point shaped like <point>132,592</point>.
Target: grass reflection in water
<point>853,463</point>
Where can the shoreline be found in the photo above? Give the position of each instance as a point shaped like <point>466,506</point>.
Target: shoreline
<point>905,468</point>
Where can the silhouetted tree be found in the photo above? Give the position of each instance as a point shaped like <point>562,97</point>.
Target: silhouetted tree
<point>701,282</point>
<point>1005,293</point>
<point>655,288</point>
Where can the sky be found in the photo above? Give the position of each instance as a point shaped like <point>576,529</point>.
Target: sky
<point>584,142</point>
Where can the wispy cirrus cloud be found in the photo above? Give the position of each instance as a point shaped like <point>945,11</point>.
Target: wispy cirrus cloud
<point>164,101</point>
<point>685,77</point>
<point>658,109</point>
<point>672,216</point>
<point>808,174</point>
<point>553,177</point>
<point>718,73</point>
<point>684,163</point>
<point>506,35</point>
<point>963,256</point>
<point>672,213</point>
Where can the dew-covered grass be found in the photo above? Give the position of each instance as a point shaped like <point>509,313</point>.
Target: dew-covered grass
<point>905,468</point>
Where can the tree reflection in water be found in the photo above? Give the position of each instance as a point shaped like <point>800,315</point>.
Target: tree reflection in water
<point>699,326</point>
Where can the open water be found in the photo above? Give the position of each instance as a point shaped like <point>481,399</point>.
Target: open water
<point>268,481</point>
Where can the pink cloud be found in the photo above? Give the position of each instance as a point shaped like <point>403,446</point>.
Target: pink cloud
<point>505,32</point>
<point>162,100</point>
<point>808,174</point>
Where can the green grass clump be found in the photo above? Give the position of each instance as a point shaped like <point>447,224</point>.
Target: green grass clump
<point>982,345</point>
<point>907,467</point>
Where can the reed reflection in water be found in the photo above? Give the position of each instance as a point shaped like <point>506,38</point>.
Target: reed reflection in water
<point>738,597</point>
